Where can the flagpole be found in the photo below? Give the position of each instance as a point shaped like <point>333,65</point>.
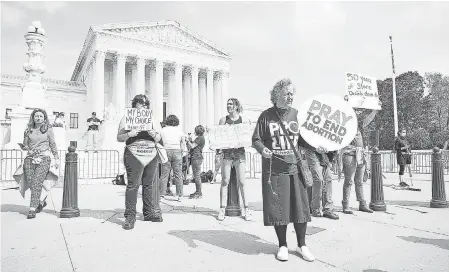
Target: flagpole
<point>395,106</point>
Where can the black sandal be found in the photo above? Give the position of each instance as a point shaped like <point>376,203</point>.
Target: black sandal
<point>31,215</point>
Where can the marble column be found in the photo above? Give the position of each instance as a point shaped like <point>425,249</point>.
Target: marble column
<point>152,75</point>
<point>120,91</point>
<point>202,93</point>
<point>224,92</point>
<point>218,104</point>
<point>140,75</point>
<point>98,86</point>
<point>187,99</point>
<point>178,99</point>
<point>158,94</point>
<point>195,99</point>
<point>171,90</point>
<point>210,116</point>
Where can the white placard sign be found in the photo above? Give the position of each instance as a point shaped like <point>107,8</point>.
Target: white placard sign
<point>327,121</point>
<point>138,119</point>
<point>231,136</point>
<point>362,91</point>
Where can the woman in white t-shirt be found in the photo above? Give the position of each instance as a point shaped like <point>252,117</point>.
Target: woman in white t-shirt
<point>173,140</point>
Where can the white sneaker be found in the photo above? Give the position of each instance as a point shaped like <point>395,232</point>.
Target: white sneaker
<point>282,254</point>
<point>248,215</point>
<point>221,214</point>
<point>305,253</point>
<point>178,198</point>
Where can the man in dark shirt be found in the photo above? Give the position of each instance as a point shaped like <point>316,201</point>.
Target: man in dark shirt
<point>92,132</point>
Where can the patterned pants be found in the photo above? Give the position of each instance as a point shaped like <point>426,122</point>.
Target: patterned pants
<point>36,174</point>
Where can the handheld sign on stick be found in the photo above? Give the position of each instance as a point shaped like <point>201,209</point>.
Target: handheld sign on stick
<point>327,121</point>
<point>138,119</point>
<point>362,91</point>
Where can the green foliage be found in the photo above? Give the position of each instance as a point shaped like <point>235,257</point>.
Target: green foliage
<point>420,139</point>
<point>439,138</point>
<point>437,102</point>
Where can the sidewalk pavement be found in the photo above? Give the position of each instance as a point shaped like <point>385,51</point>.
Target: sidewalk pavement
<point>410,236</point>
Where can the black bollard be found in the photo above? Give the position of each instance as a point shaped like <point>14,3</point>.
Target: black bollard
<point>377,191</point>
<point>438,190</point>
<point>70,193</point>
<point>233,205</point>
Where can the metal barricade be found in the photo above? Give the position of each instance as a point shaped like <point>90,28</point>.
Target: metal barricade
<point>9,162</point>
<point>91,165</point>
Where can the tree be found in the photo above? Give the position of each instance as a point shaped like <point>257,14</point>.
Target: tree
<point>409,90</point>
<point>437,101</point>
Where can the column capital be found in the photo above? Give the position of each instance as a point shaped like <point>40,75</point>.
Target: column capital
<point>217,75</point>
<point>159,64</point>
<point>194,70</point>
<point>187,71</point>
<point>210,72</point>
<point>119,56</point>
<point>100,54</point>
<point>202,73</point>
<point>140,60</point>
<point>225,74</point>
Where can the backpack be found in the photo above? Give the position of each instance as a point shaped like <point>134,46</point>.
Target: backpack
<point>119,180</point>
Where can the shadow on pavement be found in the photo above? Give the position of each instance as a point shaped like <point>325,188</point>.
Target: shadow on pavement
<point>247,244</point>
<point>374,270</point>
<point>441,243</point>
<point>408,203</point>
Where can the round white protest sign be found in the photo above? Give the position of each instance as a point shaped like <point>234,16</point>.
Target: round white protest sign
<point>327,121</point>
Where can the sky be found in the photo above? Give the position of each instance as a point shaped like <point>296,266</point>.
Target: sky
<point>313,43</point>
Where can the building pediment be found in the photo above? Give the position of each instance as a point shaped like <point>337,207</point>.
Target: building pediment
<point>167,33</point>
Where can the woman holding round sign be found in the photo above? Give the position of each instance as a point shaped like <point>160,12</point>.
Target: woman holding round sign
<point>141,163</point>
<point>277,138</point>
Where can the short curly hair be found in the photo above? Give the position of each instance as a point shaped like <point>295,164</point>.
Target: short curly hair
<point>172,121</point>
<point>277,89</point>
<point>199,130</point>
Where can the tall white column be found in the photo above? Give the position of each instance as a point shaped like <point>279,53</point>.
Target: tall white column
<point>152,75</point>
<point>158,94</point>
<point>210,99</point>
<point>187,98</point>
<point>120,91</point>
<point>202,93</point>
<point>218,104</point>
<point>140,75</point>
<point>195,99</point>
<point>98,85</point>
<point>224,92</point>
<point>171,90</point>
<point>178,100</point>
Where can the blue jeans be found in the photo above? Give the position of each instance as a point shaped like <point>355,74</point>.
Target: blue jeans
<point>196,169</point>
<point>239,163</point>
<point>322,184</point>
<point>353,174</point>
<point>174,162</point>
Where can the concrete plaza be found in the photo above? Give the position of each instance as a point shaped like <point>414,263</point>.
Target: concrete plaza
<point>410,236</point>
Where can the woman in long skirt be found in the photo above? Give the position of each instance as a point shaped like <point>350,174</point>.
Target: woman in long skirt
<point>284,195</point>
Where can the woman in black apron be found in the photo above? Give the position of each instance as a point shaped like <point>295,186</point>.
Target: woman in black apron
<point>403,155</point>
<point>141,163</point>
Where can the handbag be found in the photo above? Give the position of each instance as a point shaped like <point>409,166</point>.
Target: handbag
<point>162,153</point>
<point>303,167</point>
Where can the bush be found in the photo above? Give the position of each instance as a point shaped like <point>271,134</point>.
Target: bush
<point>420,139</point>
<point>439,138</point>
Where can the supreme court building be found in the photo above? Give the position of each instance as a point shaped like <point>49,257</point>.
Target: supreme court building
<point>180,72</point>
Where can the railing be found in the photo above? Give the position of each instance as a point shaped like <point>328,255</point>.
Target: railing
<point>91,165</point>
<point>106,163</point>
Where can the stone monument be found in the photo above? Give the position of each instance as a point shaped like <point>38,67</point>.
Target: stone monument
<point>33,91</point>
